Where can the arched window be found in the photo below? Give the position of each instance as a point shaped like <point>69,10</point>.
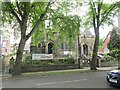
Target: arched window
<point>39,45</point>
<point>85,49</point>
<point>50,46</point>
<point>42,47</point>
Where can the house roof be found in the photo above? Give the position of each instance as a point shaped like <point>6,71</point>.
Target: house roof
<point>87,33</point>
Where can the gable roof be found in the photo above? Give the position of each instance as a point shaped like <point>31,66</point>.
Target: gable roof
<point>86,33</point>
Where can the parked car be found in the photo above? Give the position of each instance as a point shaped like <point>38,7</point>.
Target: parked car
<point>113,77</point>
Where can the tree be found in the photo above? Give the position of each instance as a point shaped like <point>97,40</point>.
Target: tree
<point>24,13</point>
<point>114,40</point>
<point>99,13</point>
<point>114,44</point>
<point>65,25</point>
<point>63,28</point>
<point>32,14</point>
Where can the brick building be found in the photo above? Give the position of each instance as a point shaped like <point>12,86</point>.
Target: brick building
<point>105,43</point>
<point>6,47</point>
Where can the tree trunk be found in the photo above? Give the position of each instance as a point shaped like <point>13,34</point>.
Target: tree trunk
<point>95,50</point>
<point>79,55</point>
<point>17,68</point>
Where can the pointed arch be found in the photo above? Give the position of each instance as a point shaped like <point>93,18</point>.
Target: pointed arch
<point>50,46</point>
<point>85,49</point>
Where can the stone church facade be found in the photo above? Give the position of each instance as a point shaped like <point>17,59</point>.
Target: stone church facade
<point>86,40</point>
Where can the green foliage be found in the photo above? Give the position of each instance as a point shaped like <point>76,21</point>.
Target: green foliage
<point>102,16</point>
<point>29,62</point>
<point>62,27</point>
<point>108,58</point>
<point>100,43</point>
<point>114,40</point>
<point>115,53</point>
<point>68,28</point>
<point>27,14</point>
<point>114,44</point>
<point>98,14</point>
<point>35,10</point>
<point>38,35</point>
<point>70,61</point>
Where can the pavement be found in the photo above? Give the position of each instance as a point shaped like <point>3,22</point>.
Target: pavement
<point>4,75</point>
<point>91,79</point>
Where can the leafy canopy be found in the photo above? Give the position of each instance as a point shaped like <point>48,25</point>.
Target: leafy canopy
<point>114,40</point>
<point>63,27</point>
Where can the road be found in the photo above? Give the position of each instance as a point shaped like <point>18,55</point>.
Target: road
<point>77,80</point>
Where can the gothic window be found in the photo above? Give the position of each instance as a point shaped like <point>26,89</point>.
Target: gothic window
<point>42,47</point>
<point>85,49</point>
<point>39,45</point>
<point>50,46</point>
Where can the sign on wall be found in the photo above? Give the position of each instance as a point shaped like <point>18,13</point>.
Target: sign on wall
<point>42,56</point>
<point>67,52</point>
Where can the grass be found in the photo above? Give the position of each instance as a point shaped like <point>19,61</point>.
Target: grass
<point>45,74</point>
<point>38,74</point>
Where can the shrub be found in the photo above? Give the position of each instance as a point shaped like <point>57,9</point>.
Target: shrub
<point>27,61</point>
<point>115,53</point>
<point>70,61</point>
<point>107,58</point>
<point>56,61</point>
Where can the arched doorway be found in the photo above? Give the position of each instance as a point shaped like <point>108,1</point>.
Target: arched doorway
<point>85,49</point>
<point>39,45</point>
<point>50,46</point>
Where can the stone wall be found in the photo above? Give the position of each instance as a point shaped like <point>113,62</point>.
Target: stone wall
<point>108,64</point>
<point>48,68</point>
